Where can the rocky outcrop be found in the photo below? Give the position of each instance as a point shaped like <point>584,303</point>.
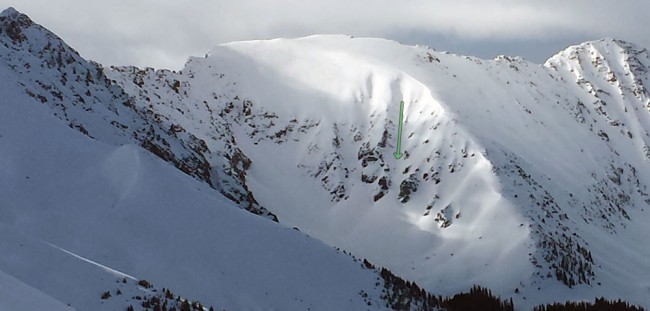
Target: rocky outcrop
<point>79,93</point>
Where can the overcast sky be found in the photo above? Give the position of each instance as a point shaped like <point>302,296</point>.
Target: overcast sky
<point>163,33</point>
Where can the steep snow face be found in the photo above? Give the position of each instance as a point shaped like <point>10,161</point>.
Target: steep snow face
<point>515,175</point>
<point>322,157</point>
<point>412,214</point>
<point>79,93</point>
<point>80,217</point>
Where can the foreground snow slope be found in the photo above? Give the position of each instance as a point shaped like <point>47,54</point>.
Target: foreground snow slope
<point>515,175</point>
<point>78,215</point>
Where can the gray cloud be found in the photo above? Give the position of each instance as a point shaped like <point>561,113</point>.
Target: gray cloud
<point>163,33</point>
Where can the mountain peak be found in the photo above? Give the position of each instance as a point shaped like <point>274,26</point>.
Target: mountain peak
<point>12,23</point>
<point>10,11</point>
<point>602,45</point>
<point>19,33</point>
<point>612,42</point>
<point>617,53</point>
<point>11,14</point>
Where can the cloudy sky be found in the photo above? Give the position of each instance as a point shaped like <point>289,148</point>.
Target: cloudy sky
<point>163,33</point>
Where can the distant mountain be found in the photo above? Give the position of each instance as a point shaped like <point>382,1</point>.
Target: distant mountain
<point>528,179</point>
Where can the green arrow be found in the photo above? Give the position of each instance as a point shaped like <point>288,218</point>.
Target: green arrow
<point>398,154</point>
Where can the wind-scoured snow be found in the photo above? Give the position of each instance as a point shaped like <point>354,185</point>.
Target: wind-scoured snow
<point>516,176</point>
<point>79,215</point>
<point>528,179</point>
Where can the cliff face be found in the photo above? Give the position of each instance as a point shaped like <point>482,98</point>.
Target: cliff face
<point>79,93</point>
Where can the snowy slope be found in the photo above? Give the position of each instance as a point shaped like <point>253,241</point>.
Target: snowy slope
<point>515,175</point>
<point>16,295</point>
<point>529,179</point>
<point>78,92</point>
<point>76,211</point>
<point>80,216</point>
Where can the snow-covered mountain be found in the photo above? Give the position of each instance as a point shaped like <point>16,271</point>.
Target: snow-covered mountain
<point>87,214</point>
<point>529,179</point>
<point>78,92</point>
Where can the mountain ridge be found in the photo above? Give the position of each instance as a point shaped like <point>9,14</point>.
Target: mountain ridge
<point>374,157</point>
<point>119,117</point>
<point>322,111</point>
